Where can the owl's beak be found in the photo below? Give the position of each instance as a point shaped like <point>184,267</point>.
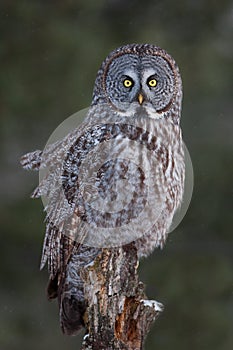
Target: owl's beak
<point>140,98</point>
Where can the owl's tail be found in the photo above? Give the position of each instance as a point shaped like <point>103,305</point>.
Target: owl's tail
<point>71,302</point>
<point>72,309</point>
<point>68,288</point>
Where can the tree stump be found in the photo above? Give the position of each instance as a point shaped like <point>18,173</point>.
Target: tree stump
<point>118,314</point>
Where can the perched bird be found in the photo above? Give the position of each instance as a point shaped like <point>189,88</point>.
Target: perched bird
<point>116,178</point>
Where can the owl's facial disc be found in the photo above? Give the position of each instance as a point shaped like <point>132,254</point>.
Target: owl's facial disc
<point>134,81</point>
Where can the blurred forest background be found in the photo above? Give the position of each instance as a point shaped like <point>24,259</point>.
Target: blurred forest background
<point>50,52</point>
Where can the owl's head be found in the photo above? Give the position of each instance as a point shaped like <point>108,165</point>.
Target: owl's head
<point>137,77</point>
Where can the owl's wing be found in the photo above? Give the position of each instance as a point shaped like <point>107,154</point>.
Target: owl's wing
<point>61,250</point>
<point>57,246</point>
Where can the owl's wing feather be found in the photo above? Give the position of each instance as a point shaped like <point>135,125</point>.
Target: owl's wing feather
<point>38,159</point>
<point>31,160</point>
<point>58,242</point>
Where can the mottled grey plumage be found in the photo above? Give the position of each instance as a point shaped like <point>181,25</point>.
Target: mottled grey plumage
<point>141,86</point>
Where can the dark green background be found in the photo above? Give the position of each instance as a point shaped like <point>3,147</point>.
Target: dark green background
<point>50,52</point>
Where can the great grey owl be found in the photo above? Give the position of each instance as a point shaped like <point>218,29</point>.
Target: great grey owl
<point>136,100</point>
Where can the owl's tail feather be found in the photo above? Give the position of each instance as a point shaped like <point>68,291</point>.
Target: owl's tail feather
<point>71,296</point>
<point>71,304</point>
<point>67,286</point>
<point>52,288</point>
<point>72,311</point>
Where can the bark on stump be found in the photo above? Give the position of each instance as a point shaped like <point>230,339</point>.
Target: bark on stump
<point>118,315</point>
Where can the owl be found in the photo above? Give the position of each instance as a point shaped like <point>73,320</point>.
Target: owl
<point>130,136</point>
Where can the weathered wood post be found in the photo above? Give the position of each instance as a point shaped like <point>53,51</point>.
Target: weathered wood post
<point>118,315</point>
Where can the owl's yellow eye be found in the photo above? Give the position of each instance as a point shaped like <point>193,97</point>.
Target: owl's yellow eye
<point>152,82</point>
<point>128,83</point>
